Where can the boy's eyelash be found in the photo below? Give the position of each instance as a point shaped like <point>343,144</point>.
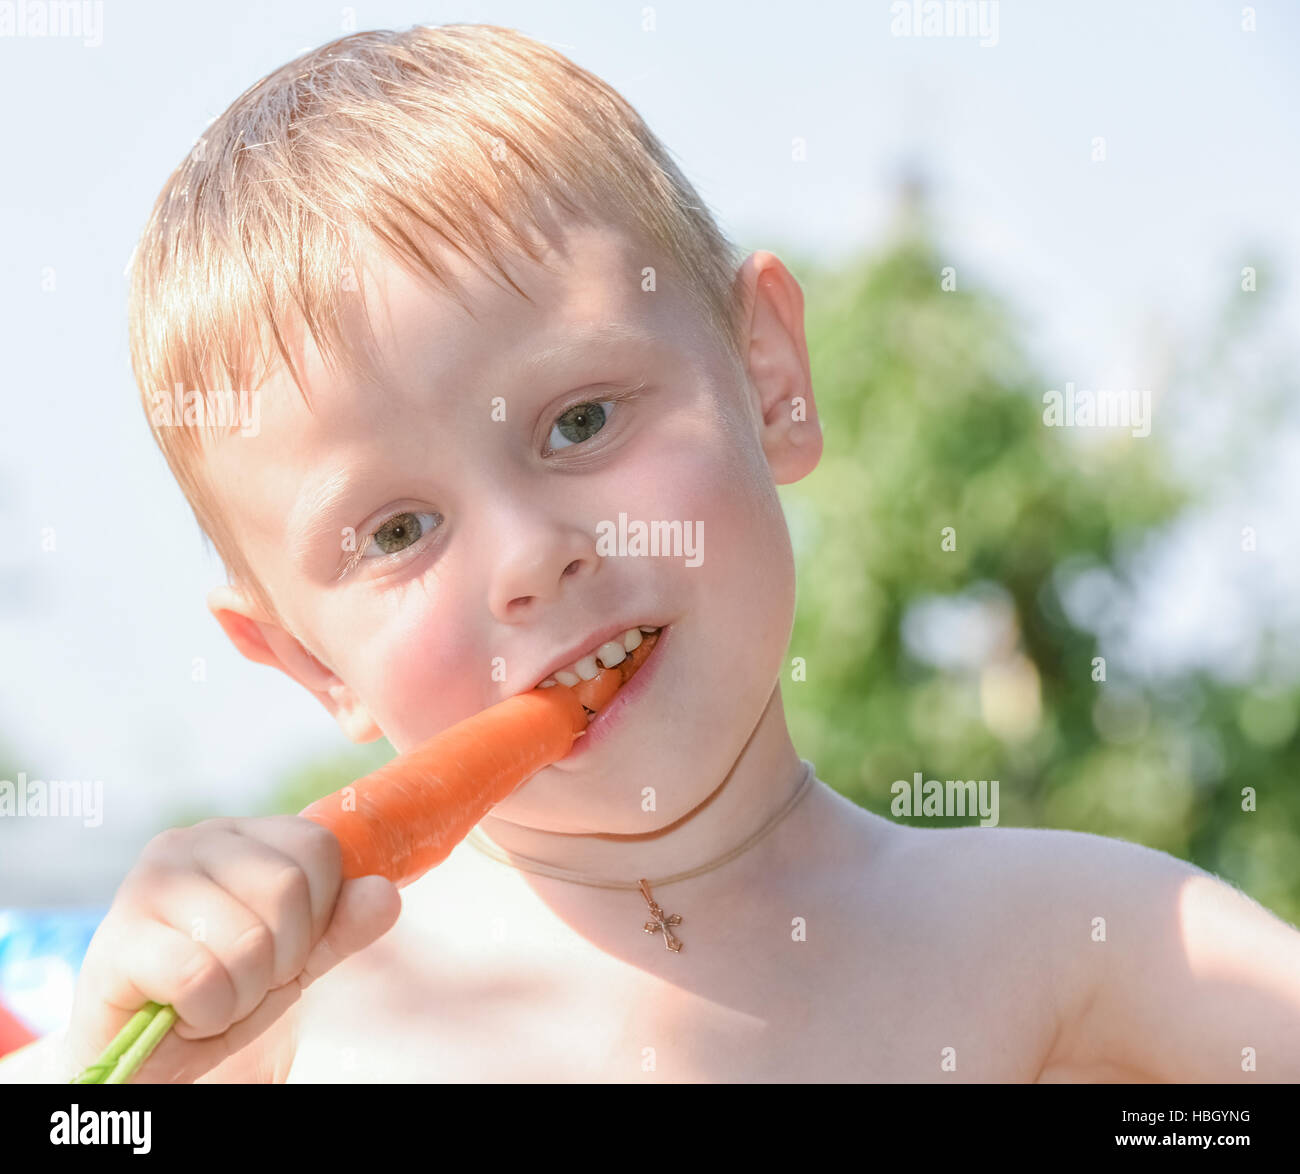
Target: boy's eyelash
<point>623,395</point>
<point>355,558</point>
<point>359,554</point>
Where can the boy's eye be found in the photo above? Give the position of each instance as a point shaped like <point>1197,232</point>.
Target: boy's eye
<point>581,422</point>
<point>399,532</point>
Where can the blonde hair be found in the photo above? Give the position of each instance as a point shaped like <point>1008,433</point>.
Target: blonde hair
<point>470,131</point>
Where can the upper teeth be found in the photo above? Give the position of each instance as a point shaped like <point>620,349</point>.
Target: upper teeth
<point>607,655</point>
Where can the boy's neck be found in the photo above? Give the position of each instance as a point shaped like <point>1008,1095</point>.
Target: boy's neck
<point>758,785</point>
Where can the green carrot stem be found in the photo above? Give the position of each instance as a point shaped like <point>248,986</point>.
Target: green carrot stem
<point>96,1073</point>
<point>144,1044</point>
<point>130,1047</point>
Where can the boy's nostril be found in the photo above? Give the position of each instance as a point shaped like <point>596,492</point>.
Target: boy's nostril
<point>573,566</point>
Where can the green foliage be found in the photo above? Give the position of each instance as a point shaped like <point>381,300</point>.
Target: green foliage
<point>325,775</point>
<point>933,418</point>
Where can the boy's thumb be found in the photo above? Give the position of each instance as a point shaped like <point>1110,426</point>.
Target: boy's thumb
<point>365,910</point>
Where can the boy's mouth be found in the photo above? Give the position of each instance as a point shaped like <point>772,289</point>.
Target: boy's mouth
<point>604,669</point>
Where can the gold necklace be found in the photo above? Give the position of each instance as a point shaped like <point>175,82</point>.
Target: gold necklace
<point>660,922</point>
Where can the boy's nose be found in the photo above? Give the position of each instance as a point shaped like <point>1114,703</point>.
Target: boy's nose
<point>539,572</point>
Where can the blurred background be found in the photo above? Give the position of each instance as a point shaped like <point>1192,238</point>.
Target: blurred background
<point>1095,193</point>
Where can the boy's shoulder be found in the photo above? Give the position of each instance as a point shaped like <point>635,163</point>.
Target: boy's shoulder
<point>1032,874</point>
<point>1041,922</point>
<point>1157,969</point>
<point>1041,861</point>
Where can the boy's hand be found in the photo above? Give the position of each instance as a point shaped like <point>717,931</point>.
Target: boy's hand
<point>228,921</point>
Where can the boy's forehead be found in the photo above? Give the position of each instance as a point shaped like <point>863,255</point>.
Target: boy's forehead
<point>587,283</point>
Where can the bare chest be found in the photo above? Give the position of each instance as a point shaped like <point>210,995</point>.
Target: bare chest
<point>806,990</point>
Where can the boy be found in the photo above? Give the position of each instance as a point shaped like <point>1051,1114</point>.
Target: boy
<point>411,530</point>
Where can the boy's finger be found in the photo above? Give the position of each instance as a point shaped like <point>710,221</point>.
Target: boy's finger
<point>271,884</point>
<point>197,907</point>
<point>316,851</point>
<point>183,1061</point>
<point>367,908</point>
<point>155,963</point>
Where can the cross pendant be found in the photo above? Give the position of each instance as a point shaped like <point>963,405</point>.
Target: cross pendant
<point>660,922</point>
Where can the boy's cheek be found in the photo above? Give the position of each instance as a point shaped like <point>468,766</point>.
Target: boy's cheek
<point>738,597</point>
<point>682,479</point>
<point>419,672</point>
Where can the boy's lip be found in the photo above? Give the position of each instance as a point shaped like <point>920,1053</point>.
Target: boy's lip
<point>589,644</point>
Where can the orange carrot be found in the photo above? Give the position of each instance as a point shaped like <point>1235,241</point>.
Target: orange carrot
<point>596,693</point>
<point>637,656</point>
<point>406,817</point>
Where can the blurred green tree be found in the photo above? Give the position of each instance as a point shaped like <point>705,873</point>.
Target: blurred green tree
<point>964,659</point>
<point>324,775</point>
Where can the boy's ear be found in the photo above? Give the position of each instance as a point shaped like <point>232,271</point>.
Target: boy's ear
<point>265,642</point>
<point>778,367</point>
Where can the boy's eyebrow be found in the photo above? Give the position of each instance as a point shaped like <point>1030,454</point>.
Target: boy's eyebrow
<point>596,334</point>
<point>312,518</point>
